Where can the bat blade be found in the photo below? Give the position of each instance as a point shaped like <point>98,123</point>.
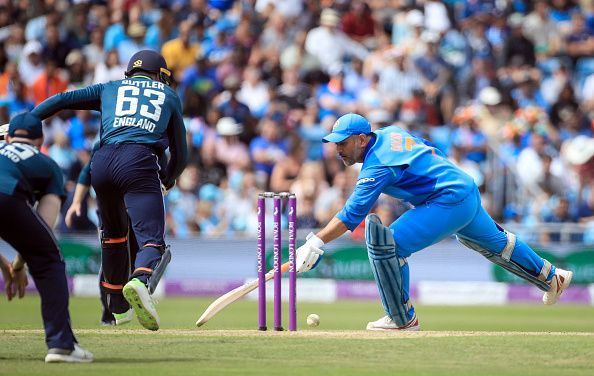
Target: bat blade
<point>233,295</point>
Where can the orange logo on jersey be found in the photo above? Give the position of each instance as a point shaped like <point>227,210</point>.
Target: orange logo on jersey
<point>137,64</point>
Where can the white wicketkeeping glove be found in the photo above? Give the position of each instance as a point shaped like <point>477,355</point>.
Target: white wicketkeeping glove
<point>309,253</point>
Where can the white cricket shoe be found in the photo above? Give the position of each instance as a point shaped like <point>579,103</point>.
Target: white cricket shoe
<point>78,355</point>
<point>559,283</point>
<point>386,323</point>
<point>123,318</point>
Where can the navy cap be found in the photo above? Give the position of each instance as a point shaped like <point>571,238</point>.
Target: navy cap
<point>346,126</point>
<point>27,122</point>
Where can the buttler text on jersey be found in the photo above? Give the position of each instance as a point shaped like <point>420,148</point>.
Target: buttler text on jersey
<point>127,104</point>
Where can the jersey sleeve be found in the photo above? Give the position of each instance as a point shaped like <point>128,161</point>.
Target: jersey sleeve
<point>369,186</point>
<point>176,132</point>
<point>55,184</point>
<point>88,98</point>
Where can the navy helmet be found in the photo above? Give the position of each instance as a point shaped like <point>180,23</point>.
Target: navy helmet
<point>149,61</point>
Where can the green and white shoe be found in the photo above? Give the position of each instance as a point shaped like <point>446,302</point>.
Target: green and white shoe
<point>141,301</point>
<point>123,318</point>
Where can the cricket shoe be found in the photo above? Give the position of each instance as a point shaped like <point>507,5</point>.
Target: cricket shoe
<point>141,301</point>
<point>386,323</point>
<point>559,283</point>
<point>77,355</point>
<point>123,318</point>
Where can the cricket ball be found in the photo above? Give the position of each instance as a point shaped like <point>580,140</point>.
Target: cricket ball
<point>313,320</point>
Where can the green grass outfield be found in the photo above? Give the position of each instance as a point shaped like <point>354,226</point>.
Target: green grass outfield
<point>511,340</point>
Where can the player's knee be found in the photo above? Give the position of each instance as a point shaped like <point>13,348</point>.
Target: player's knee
<point>114,242</point>
<point>379,238</point>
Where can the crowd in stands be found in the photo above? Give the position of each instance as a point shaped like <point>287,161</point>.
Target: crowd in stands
<point>505,88</point>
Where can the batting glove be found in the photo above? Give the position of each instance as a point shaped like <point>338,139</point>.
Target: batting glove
<point>309,254</point>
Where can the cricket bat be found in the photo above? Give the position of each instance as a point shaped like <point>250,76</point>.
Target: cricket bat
<point>233,295</point>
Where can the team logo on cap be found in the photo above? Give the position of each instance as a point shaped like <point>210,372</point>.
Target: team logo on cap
<point>335,126</point>
<point>137,64</point>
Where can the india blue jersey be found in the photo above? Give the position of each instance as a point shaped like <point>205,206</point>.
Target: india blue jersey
<point>405,167</point>
<point>28,174</point>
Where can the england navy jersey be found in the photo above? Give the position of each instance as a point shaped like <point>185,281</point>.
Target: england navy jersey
<point>405,167</point>
<point>135,110</point>
<point>28,174</point>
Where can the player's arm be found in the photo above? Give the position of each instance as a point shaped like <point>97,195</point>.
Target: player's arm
<point>88,98</point>
<point>51,200</point>
<point>369,186</point>
<point>81,190</point>
<point>367,190</point>
<point>49,208</point>
<point>176,132</point>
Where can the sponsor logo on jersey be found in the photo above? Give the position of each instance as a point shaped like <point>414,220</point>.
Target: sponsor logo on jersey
<point>365,180</point>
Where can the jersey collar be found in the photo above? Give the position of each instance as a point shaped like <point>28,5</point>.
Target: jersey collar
<point>369,145</point>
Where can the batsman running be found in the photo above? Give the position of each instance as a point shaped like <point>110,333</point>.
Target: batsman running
<point>446,201</point>
<point>140,117</point>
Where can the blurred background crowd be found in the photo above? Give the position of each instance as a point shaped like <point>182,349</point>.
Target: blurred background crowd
<point>505,88</point>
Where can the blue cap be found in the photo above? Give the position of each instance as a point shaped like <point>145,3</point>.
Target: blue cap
<point>348,125</point>
<point>27,122</point>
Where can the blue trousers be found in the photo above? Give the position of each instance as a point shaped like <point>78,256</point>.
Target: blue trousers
<point>30,236</point>
<point>432,222</point>
<point>126,180</point>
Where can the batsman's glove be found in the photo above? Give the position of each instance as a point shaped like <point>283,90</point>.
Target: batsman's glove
<point>309,254</point>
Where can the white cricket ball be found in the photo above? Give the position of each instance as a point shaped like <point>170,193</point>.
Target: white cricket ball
<point>313,320</point>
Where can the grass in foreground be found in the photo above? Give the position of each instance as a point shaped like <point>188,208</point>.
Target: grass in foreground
<point>338,346</point>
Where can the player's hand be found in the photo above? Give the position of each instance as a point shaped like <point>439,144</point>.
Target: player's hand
<point>74,210</point>
<point>20,281</point>
<point>7,278</point>
<point>309,254</point>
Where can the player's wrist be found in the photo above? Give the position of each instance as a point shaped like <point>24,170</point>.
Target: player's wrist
<point>314,240</point>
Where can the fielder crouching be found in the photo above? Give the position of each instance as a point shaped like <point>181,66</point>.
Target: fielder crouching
<point>26,177</point>
<point>140,117</point>
<point>446,202</point>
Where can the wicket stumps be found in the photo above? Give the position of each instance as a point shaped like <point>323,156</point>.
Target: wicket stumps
<point>277,245</point>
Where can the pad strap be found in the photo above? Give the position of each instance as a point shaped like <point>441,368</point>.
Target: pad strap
<point>544,272</point>
<point>506,254</point>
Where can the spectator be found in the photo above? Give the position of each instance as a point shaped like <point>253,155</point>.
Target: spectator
<point>435,77</point>
<point>285,172</point>
<point>359,24</point>
<point>133,43</point>
<point>266,150</point>
<point>161,31</point>
<point>518,49</point>
<point>55,48</point>
<point>110,69</point>
<point>254,92</point>
<point>580,42</point>
<point>31,64</point>
<point>330,45</point>
<point>229,150</point>
<point>49,83</point>
<point>332,98</point>
<point>180,52</point>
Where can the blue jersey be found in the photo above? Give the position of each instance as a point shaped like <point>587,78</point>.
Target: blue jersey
<point>28,174</point>
<point>405,167</point>
<point>135,110</point>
